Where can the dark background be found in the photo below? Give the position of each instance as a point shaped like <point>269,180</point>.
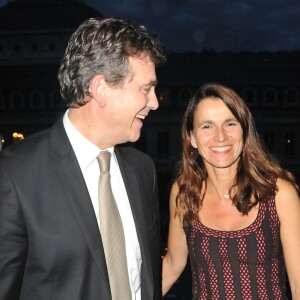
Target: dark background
<point>251,46</point>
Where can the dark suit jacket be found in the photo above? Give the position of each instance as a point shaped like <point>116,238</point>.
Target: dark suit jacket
<point>50,245</point>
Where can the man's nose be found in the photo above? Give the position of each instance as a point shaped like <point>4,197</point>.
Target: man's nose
<point>153,102</point>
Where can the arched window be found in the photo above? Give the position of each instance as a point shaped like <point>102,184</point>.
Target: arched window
<point>34,46</point>
<point>289,144</point>
<point>16,100</point>
<point>141,143</point>
<point>269,140</point>
<point>185,95</point>
<point>17,47</point>
<point>36,100</point>
<point>163,143</point>
<point>1,141</point>
<point>51,46</point>
<point>270,98</point>
<point>250,97</point>
<point>291,97</point>
<point>55,101</point>
<point>2,102</point>
<point>163,96</point>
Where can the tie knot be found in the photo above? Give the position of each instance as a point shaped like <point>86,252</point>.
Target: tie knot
<point>104,161</point>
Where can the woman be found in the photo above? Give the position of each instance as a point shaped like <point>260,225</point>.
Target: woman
<point>233,209</point>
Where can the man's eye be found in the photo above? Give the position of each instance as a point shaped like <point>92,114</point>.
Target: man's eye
<point>145,91</point>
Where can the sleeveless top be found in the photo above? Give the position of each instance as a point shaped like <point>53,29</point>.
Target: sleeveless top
<point>244,264</point>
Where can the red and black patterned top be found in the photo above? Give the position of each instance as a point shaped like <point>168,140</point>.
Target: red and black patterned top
<point>243,265</point>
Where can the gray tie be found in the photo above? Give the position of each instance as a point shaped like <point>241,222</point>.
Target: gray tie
<point>112,234</point>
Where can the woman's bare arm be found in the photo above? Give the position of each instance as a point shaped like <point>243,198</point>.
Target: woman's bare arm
<point>175,260</point>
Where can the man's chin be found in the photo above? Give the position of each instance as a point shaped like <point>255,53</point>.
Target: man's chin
<point>136,137</point>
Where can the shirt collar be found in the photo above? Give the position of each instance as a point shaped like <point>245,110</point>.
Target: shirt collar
<point>85,151</point>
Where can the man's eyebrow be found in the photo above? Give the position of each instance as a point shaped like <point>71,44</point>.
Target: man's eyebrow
<point>151,83</point>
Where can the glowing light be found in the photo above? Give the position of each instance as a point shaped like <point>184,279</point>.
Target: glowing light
<point>18,136</point>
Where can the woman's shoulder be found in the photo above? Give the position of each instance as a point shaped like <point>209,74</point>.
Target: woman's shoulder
<point>175,188</point>
<point>285,187</point>
<point>287,198</point>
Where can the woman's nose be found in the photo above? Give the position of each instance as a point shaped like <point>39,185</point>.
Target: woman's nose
<point>220,135</point>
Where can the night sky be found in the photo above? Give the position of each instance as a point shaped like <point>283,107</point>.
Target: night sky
<point>191,25</point>
<point>194,25</point>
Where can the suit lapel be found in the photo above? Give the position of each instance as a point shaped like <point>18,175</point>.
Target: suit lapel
<point>76,193</point>
<point>73,184</point>
<point>133,188</point>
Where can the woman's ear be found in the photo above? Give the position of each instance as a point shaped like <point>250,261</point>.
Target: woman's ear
<point>97,89</point>
<point>193,140</point>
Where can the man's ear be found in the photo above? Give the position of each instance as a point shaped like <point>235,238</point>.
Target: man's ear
<point>97,89</point>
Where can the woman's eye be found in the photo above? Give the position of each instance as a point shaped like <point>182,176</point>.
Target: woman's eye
<point>230,124</point>
<point>205,126</point>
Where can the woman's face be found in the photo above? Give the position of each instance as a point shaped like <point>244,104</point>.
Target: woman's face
<point>217,134</point>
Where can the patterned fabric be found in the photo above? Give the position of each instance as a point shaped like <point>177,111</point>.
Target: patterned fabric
<point>243,265</point>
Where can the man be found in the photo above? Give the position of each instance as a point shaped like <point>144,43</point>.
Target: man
<point>50,224</point>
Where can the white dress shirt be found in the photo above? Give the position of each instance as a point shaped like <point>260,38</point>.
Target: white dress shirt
<point>86,153</point>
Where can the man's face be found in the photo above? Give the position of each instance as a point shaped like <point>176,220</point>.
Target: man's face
<point>130,104</point>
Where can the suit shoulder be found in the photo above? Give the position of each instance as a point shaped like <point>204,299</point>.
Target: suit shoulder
<point>134,154</point>
<point>26,148</point>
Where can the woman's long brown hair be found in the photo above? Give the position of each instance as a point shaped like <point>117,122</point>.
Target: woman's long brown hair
<point>255,167</point>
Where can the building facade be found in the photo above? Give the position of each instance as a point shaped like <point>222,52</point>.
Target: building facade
<point>33,37</point>
<point>31,48</point>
